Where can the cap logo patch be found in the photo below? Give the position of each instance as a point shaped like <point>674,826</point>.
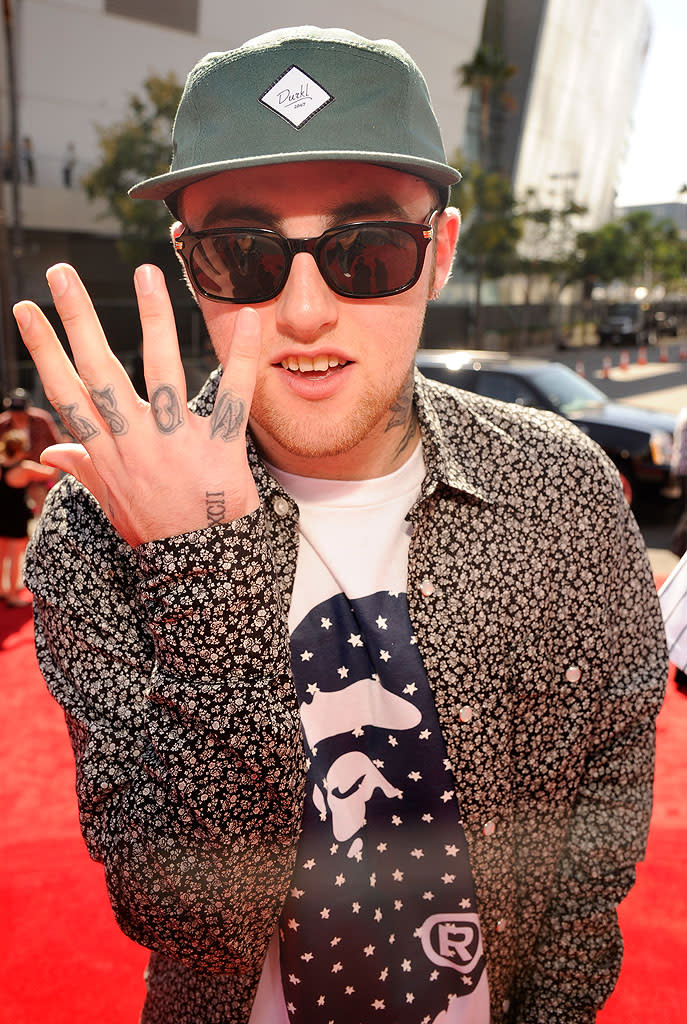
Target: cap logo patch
<point>296,97</point>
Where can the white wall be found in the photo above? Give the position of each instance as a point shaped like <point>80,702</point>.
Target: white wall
<point>581,98</point>
<point>77,65</point>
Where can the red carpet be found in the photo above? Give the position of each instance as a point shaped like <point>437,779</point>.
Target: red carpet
<point>64,961</point>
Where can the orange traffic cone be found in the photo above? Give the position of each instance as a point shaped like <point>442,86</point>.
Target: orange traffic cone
<point>624,360</point>
<point>606,366</point>
<point>642,356</point>
<point>663,354</point>
<point>683,353</point>
<point>579,368</point>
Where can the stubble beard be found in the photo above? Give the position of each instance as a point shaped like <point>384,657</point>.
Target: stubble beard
<point>319,434</point>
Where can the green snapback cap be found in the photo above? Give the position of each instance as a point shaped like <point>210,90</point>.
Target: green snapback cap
<point>300,94</point>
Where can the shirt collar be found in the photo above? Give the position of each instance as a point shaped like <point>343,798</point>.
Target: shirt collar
<point>470,466</point>
<point>457,453</point>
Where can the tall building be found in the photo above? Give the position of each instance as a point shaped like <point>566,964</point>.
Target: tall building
<point>675,213</point>
<point>564,128</point>
<point>78,62</point>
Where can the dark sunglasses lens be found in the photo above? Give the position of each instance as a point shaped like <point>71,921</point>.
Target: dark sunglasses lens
<point>370,261</point>
<point>241,266</point>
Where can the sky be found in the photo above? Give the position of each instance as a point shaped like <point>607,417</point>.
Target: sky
<point>656,163</point>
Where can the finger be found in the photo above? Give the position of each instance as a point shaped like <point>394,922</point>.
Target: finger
<point>232,407</point>
<point>65,457</point>
<point>75,460</point>
<point>63,387</point>
<point>95,361</point>
<point>162,365</point>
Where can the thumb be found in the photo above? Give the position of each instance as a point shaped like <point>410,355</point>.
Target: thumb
<point>75,460</point>
<point>235,396</point>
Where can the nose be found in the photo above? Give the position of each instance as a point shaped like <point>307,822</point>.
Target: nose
<point>306,306</point>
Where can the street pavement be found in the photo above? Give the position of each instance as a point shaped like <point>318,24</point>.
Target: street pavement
<point>659,383</point>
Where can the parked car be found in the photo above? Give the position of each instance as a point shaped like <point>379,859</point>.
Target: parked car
<point>639,441</point>
<point>665,324</point>
<point>625,323</point>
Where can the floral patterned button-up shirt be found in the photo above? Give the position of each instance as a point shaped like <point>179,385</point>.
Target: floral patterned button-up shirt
<point>537,620</point>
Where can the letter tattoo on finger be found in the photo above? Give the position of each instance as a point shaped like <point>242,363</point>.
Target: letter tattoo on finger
<point>105,402</point>
<point>228,416</point>
<point>167,408</point>
<point>78,426</point>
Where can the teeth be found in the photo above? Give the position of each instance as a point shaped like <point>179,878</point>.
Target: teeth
<point>305,364</point>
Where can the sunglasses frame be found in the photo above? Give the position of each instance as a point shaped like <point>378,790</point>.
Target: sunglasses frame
<point>422,235</point>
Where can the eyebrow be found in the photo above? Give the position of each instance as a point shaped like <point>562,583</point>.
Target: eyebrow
<point>245,214</point>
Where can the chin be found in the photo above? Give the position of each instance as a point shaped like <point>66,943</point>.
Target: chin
<point>314,437</point>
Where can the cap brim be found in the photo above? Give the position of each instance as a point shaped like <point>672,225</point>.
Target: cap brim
<point>165,185</point>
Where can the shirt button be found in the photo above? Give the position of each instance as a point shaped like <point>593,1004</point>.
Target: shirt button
<point>280,506</point>
<point>427,588</point>
<point>506,1005</point>
<point>489,828</point>
<point>573,674</point>
<point>465,714</point>
<point>501,925</point>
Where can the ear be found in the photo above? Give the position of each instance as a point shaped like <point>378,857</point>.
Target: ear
<point>175,230</point>
<point>447,230</point>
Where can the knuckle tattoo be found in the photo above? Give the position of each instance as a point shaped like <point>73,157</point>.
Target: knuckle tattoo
<point>106,403</point>
<point>79,426</point>
<point>228,416</point>
<point>167,408</point>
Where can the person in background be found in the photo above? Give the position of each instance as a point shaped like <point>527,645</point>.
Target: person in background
<point>41,431</point>
<point>16,473</point>
<point>678,541</point>
<point>68,165</point>
<point>28,160</point>
<point>7,160</point>
<point>361,671</point>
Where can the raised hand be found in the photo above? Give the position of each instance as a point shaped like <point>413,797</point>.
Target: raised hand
<point>156,469</point>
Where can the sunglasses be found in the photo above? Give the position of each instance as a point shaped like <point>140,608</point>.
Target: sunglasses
<point>365,260</point>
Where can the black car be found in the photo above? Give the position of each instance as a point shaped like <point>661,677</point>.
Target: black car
<point>625,323</point>
<point>665,324</point>
<point>639,441</point>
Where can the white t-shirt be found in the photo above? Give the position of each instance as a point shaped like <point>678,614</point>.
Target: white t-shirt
<point>381,921</point>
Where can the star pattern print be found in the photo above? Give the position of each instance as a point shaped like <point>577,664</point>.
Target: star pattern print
<point>383,892</point>
<point>195,732</point>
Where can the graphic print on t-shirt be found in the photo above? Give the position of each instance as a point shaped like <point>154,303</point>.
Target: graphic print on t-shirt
<point>381,922</point>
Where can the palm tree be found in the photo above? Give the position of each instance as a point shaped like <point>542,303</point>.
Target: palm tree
<point>487,73</point>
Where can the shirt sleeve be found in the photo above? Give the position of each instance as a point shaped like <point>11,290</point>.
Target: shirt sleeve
<point>578,952</point>
<point>171,664</point>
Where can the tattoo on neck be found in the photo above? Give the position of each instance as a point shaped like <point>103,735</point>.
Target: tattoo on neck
<point>215,507</point>
<point>403,415</point>
<point>78,426</point>
<point>105,402</point>
<point>167,408</point>
<point>228,416</point>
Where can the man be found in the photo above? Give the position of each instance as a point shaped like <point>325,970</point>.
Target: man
<point>40,430</point>
<point>352,663</point>
<point>19,413</point>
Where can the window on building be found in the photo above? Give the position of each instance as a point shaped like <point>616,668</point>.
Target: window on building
<point>179,14</point>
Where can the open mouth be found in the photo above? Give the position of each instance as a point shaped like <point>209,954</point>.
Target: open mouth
<point>317,366</point>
